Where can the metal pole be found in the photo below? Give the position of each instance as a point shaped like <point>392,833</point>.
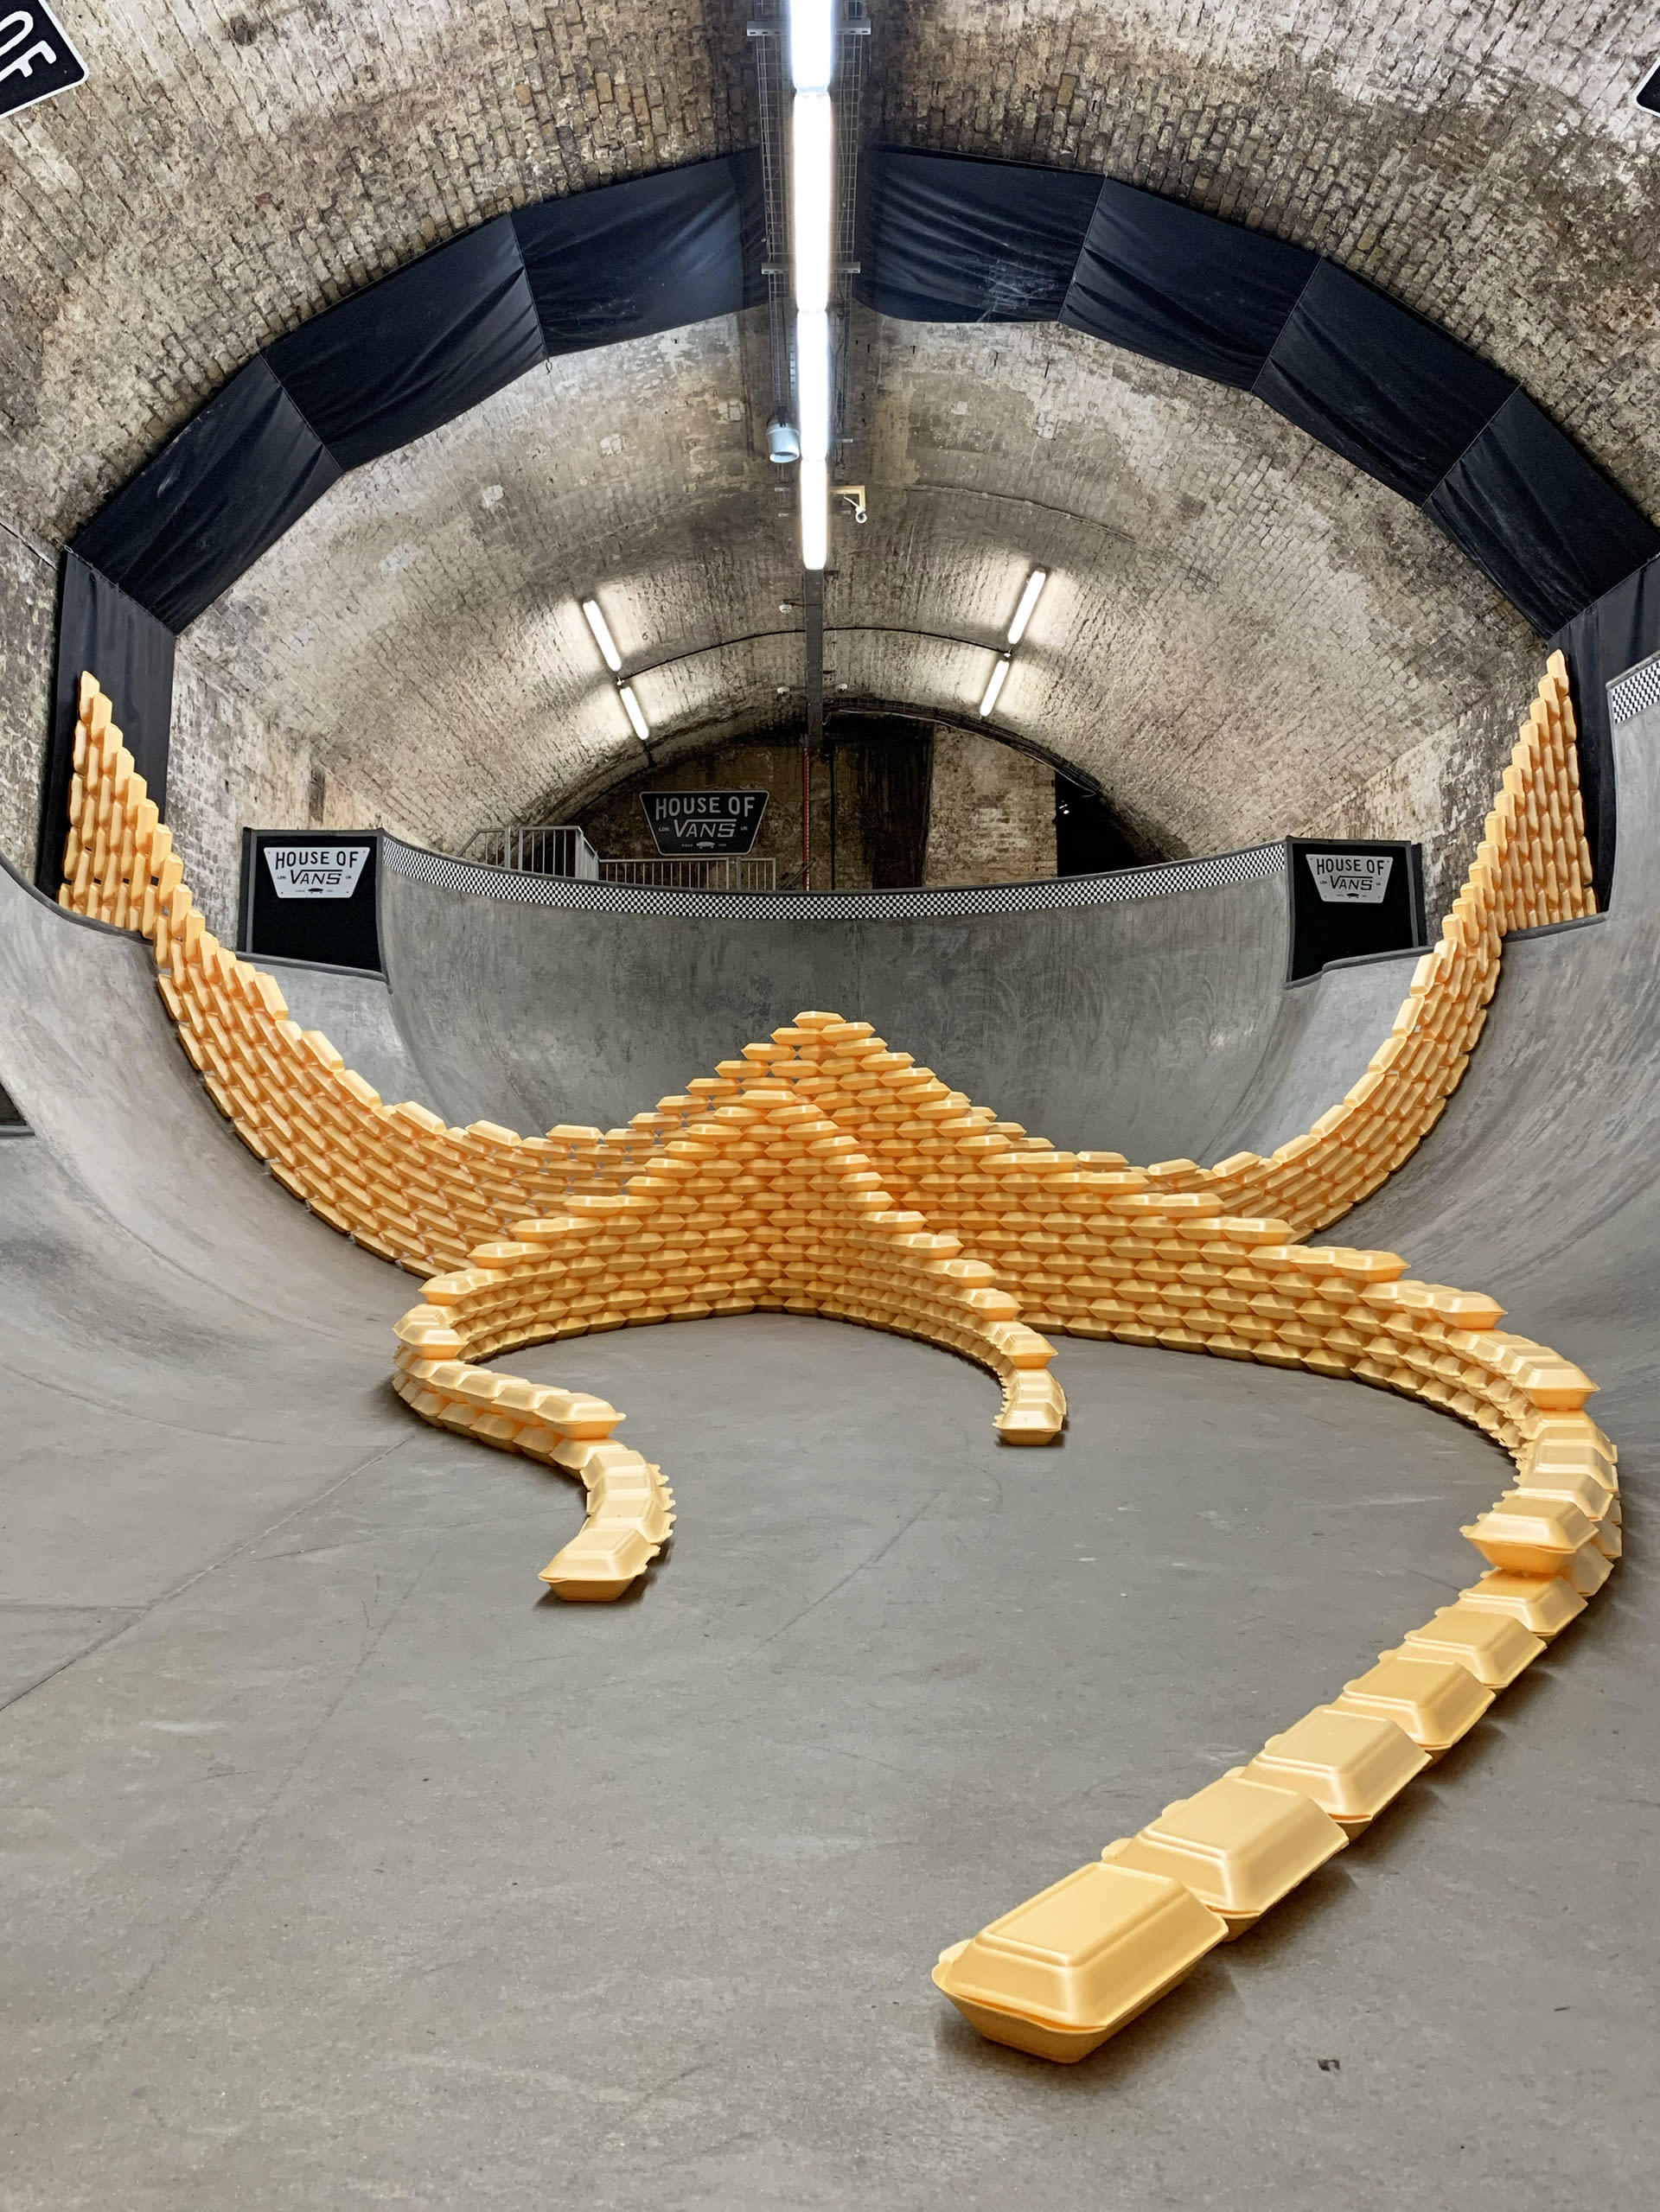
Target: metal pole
<point>813,610</point>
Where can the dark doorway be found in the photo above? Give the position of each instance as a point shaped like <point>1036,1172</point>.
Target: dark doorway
<point>890,764</point>
<point>1088,838</point>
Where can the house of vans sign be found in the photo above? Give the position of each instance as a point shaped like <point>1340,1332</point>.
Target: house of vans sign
<point>1352,900</point>
<point>1350,878</point>
<point>36,57</point>
<point>310,897</point>
<point>311,870</point>
<point>714,822</point>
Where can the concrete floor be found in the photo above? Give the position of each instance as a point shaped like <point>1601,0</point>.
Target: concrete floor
<point>345,1869</point>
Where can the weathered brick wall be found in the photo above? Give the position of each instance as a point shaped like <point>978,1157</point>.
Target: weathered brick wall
<point>1243,636</point>
<point>991,816</point>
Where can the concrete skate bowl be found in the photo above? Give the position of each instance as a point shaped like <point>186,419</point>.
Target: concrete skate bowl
<point>329,1746</point>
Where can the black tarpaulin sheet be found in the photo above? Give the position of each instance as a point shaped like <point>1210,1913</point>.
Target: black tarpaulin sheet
<point>415,349</point>
<point>1536,517</point>
<point>131,652</point>
<point>1398,399</point>
<point>944,238</point>
<point>1182,287</point>
<point>233,479</point>
<point>1611,635</point>
<point>652,254</point>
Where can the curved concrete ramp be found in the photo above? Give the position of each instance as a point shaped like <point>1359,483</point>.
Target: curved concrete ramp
<point>1137,1025</point>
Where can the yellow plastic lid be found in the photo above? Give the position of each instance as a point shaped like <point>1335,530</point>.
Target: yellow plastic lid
<point>1351,1763</point>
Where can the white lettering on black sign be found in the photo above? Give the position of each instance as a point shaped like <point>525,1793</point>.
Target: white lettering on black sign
<point>36,59</point>
<point>1350,878</point>
<point>316,871</point>
<point>704,821</point>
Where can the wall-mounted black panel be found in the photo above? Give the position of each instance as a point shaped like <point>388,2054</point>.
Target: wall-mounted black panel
<point>420,347</point>
<point>1534,516</point>
<point>1349,900</point>
<point>1398,399</point>
<point>679,247</point>
<point>1614,634</point>
<point>944,238</point>
<point>311,896</point>
<point>1180,287</point>
<point>234,479</point>
<point>101,629</point>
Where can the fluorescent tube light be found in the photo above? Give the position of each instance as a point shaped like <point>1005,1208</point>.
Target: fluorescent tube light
<point>815,513</point>
<point>641,727</point>
<point>1000,676</point>
<point>813,384</point>
<point>811,44</point>
<point>603,637</point>
<point>1035,583</point>
<point>812,197</point>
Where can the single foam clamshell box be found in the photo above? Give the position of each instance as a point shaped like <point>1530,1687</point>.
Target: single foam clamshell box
<point>1493,1647</point>
<point>599,1564</point>
<point>1533,1535</point>
<point>1543,1603</point>
<point>1352,1764</point>
<point>1435,1700</point>
<point>1073,1965</point>
<point>1239,1846</point>
<point>1575,1485</point>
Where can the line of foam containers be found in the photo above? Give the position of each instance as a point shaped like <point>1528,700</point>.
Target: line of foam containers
<point>1062,1973</point>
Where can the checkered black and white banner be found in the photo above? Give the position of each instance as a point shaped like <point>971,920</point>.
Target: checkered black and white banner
<point>1633,693</point>
<point>1213,873</point>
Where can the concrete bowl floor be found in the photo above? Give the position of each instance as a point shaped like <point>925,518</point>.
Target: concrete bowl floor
<point>354,1871</point>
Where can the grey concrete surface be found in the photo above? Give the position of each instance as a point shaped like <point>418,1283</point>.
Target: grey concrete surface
<point>341,1868</point>
<point>1136,1026</point>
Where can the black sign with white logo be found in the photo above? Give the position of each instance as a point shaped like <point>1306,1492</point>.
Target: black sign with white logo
<point>307,897</point>
<point>36,57</point>
<point>1348,900</point>
<point>704,821</point>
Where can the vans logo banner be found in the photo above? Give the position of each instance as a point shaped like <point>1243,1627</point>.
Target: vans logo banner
<point>702,822</point>
<point>1350,878</point>
<point>316,871</point>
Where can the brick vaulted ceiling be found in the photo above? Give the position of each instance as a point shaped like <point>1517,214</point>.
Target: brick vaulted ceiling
<point>1243,636</point>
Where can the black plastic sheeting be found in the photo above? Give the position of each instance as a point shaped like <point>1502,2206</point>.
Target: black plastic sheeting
<point>422,346</point>
<point>396,361</point>
<point>131,652</point>
<point>1163,280</point>
<point>1394,395</point>
<point>652,255</point>
<point>1534,515</point>
<point>234,479</point>
<point>947,238</point>
<point>1611,635</point>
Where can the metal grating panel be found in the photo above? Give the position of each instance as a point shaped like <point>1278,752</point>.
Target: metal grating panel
<point>1214,873</point>
<point>1635,692</point>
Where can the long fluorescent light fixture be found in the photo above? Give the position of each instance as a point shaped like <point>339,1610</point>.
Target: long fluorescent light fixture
<point>1000,676</point>
<point>813,217</point>
<point>603,637</point>
<point>641,727</point>
<point>1029,597</point>
<point>811,44</point>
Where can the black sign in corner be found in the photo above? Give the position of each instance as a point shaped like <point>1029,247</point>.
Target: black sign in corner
<point>37,56</point>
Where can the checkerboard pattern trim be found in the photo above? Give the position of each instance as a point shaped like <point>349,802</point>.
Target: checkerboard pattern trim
<point>1633,693</point>
<point>1213,873</point>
